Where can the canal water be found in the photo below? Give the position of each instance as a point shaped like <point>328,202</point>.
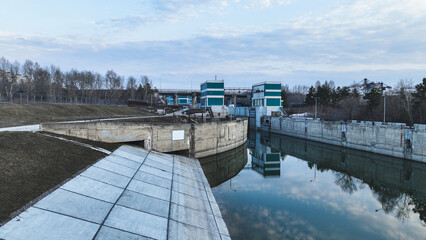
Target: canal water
<point>278,187</point>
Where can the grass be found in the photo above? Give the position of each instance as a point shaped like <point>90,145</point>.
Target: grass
<point>31,164</point>
<point>25,114</point>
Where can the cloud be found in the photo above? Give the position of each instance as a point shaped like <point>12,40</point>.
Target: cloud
<point>256,4</point>
<point>381,40</point>
<point>158,11</point>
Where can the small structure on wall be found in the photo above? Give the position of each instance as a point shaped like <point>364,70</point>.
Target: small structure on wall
<point>181,100</point>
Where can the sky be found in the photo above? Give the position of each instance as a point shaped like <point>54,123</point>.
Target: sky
<point>181,43</point>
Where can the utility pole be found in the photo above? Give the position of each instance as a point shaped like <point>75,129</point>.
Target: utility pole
<point>316,105</point>
<point>384,106</point>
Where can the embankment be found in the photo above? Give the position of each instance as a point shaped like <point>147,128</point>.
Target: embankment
<point>26,114</point>
<point>391,139</point>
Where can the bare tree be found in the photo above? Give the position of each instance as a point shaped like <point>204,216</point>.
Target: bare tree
<point>4,75</point>
<point>41,81</point>
<point>27,70</point>
<point>14,73</point>
<point>350,107</point>
<point>131,86</point>
<point>57,80</point>
<point>71,82</point>
<point>146,85</point>
<point>113,82</point>
<point>406,97</point>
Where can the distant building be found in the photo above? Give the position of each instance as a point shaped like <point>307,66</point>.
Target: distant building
<point>267,94</point>
<point>212,93</point>
<point>20,79</point>
<point>181,100</point>
<point>266,100</point>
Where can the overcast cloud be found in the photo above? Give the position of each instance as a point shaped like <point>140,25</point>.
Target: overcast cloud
<point>179,42</point>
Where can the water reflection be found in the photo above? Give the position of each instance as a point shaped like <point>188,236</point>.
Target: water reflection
<point>221,167</point>
<point>263,159</point>
<point>311,190</point>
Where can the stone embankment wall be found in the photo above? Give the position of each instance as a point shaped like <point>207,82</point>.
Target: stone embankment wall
<point>200,139</point>
<point>392,139</point>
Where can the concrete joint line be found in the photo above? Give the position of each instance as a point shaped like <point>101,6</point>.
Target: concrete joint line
<point>210,204</point>
<point>116,201</point>
<point>170,200</point>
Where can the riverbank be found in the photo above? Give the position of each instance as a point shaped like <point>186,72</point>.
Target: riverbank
<point>391,139</point>
<point>31,164</point>
<point>26,114</point>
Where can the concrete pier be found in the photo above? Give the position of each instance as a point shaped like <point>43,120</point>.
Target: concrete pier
<point>199,139</point>
<point>130,194</point>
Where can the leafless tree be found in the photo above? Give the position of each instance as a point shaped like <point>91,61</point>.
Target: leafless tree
<point>13,81</point>
<point>350,107</point>
<point>4,75</point>
<point>406,98</point>
<point>146,85</point>
<point>131,86</point>
<point>27,70</point>
<point>113,82</point>
<point>57,80</point>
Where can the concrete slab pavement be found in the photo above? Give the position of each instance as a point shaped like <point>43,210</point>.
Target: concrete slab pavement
<point>130,194</point>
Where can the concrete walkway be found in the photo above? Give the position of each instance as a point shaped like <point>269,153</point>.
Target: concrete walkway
<point>130,194</point>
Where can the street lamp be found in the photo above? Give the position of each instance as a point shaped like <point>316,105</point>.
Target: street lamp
<point>230,185</point>
<point>384,101</point>
<point>315,174</point>
<point>384,106</point>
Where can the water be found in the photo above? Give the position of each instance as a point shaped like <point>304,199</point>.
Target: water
<point>278,187</point>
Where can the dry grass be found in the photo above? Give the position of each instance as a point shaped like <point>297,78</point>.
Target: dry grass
<point>17,115</point>
<point>31,164</point>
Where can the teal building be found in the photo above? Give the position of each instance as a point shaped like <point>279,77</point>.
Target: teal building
<point>267,94</point>
<point>266,100</point>
<point>181,100</point>
<point>212,93</point>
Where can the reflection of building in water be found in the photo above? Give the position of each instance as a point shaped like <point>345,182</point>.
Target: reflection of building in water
<point>223,166</point>
<point>263,159</point>
<point>397,184</point>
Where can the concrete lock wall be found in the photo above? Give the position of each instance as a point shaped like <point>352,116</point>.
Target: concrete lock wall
<point>201,139</point>
<point>238,111</point>
<point>392,139</point>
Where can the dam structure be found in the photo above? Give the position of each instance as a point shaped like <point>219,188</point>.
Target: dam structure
<point>198,139</point>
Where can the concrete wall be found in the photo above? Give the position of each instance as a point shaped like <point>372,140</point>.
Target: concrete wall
<point>201,139</point>
<point>392,139</point>
<point>238,111</point>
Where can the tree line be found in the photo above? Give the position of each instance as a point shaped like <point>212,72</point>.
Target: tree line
<point>51,82</point>
<point>406,102</point>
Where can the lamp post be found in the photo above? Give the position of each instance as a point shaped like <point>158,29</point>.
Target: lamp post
<point>315,174</point>
<point>384,88</point>
<point>384,106</point>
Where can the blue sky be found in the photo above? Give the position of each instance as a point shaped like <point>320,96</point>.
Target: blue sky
<point>177,42</point>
